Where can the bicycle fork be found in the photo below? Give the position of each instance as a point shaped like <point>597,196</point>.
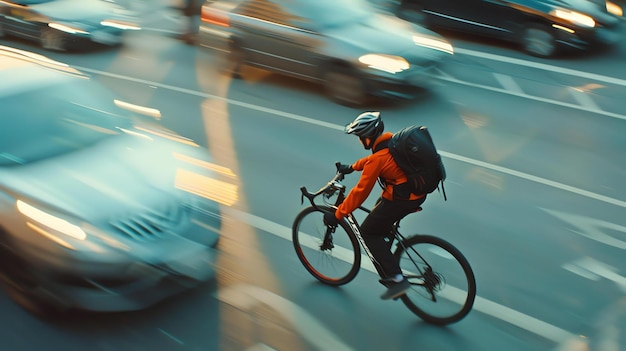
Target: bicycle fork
<point>327,243</point>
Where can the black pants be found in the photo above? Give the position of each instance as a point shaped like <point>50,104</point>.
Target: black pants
<point>376,231</point>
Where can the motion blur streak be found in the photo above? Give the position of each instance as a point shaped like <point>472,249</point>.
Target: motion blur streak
<point>241,258</point>
<point>563,28</point>
<point>222,170</point>
<point>433,43</point>
<point>67,29</point>
<point>209,188</point>
<point>147,111</point>
<point>177,138</point>
<point>50,236</point>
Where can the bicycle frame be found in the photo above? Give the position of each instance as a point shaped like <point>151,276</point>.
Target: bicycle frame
<point>357,233</point>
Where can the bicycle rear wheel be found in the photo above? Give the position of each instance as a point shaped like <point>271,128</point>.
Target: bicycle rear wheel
<point>443,286</point>
<point>332,258</point>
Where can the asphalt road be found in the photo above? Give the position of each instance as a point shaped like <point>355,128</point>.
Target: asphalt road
<point>534,153</point>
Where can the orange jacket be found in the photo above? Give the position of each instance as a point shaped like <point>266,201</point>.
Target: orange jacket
<point>378,164</point>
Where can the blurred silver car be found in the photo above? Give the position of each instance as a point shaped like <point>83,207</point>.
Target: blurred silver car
<point>65,24</point>
<point>98,212</point>
<point>345,45</point>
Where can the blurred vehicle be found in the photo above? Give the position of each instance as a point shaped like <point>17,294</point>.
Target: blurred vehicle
<point>98,211</point>
<point>65,24</point>
<point>346,45</point>
<point>541,27</point>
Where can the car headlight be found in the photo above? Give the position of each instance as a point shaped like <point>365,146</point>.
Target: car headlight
<point>614,9</point>
<point>433,43</point>
<point>58,225</point>
<point>67,28</point>
<point>387,63</point>
<point>574,17</point>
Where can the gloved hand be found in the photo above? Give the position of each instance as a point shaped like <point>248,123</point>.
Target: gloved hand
<point>330,219</point>
<point>345,169</point>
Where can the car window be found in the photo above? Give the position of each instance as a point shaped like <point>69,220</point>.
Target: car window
<point>272,11</point>
<point>335,13</point>
<point>65,118</point>
<point>310,15</point>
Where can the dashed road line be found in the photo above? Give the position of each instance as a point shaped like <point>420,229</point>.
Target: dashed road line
<point>583,98</point>
<point>508,83</point>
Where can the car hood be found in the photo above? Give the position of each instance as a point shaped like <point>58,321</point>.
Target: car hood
<point>77,10</point>
<point>383,34</point>
<point>126,173</point>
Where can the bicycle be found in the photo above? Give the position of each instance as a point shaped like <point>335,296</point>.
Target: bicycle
<point>443,286</point>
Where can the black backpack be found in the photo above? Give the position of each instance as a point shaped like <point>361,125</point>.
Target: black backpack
<point>415,153</point>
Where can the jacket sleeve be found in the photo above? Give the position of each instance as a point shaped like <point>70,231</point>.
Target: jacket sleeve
<point>370,167</point>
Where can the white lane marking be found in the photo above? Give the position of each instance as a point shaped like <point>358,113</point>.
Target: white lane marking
<point>493,309</point>
<point>576,269</point>
<point>508,83</point>
<point>591,228</point>
<point>583,98</point>
<point>246,297</point>
<point>542,66</point>
<point>601,270</point>
<point>171,336</point>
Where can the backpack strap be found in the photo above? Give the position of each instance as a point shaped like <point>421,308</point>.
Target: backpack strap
<point>381,145</point>
<point>443,190</point>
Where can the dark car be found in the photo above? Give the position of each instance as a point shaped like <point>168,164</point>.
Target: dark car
<point>99,210</point>
<point>65,24</point>
<point>541,27</point>
<point>354,51</point>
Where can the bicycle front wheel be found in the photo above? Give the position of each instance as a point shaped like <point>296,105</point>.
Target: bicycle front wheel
<point>443,286</point>
<point>333,258</point>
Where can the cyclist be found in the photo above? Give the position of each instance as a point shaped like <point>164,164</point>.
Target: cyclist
<point>396,201</point>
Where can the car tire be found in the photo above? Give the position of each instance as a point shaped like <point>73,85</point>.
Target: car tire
<point>539,41</point>
<point>52,39</point>
<point>345,87</point>
<point>30,298</point>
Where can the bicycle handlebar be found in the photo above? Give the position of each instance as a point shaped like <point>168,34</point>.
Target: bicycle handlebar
<point>330,188</point>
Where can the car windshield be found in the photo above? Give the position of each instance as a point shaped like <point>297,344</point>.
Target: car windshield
<point>52,121</point>
<point>335,13</point>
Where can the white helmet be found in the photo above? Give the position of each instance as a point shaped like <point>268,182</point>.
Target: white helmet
<point>366,125</point>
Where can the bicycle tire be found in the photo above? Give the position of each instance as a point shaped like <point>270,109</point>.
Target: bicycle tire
<point>451,282</point>
<point>332,266</point>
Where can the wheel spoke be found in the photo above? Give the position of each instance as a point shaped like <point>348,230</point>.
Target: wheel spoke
<point>333,262</point>
<point>444,293</point>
